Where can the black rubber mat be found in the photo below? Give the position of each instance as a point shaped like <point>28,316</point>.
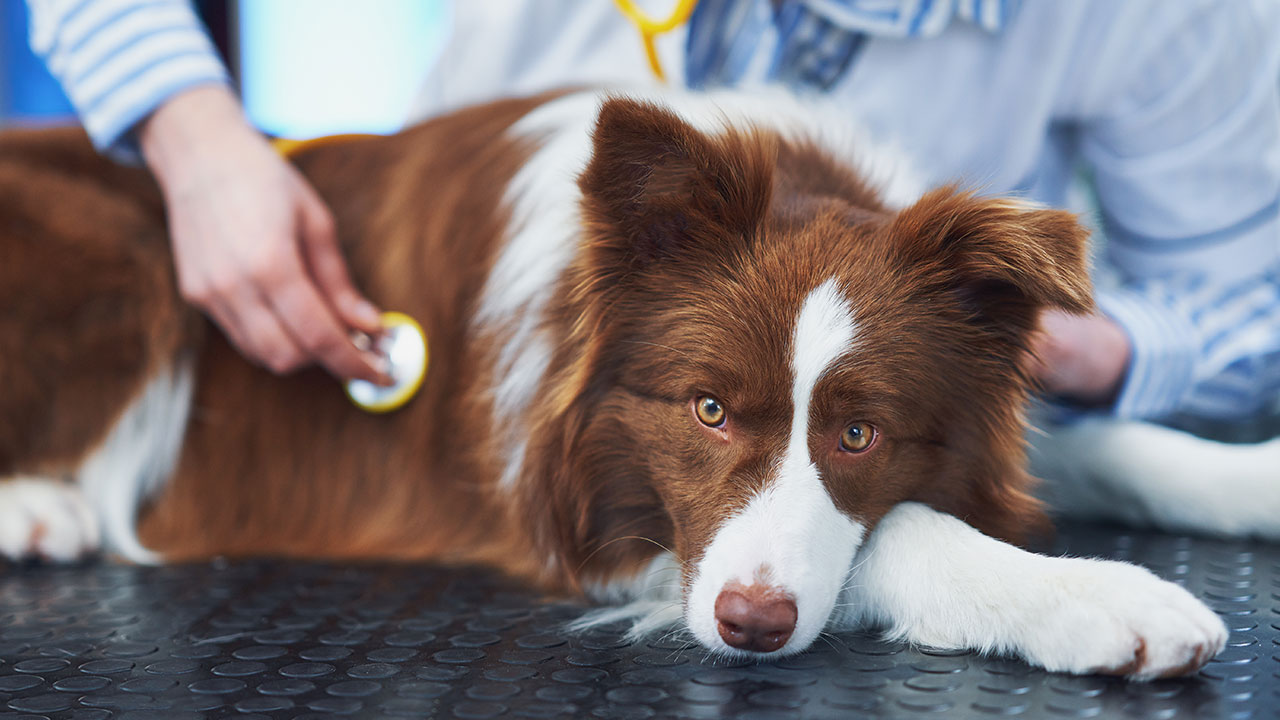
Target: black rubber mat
<point>286,640</point>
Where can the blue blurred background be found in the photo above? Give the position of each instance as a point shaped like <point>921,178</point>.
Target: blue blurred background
<point>304,68</point>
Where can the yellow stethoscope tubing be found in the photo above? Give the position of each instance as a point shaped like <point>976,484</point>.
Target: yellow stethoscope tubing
<point>650,29</point>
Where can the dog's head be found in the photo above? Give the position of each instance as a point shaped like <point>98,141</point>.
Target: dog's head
<point>768,359</point>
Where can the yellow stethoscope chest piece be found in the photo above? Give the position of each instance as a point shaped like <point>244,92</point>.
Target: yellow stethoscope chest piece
<point>404,345</point>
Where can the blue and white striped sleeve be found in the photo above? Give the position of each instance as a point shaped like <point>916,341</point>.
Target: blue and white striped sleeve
<point>1208,350</point>
<point>118,60</point>
<point>1187,167</point>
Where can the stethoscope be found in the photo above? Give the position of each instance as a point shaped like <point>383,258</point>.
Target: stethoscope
<point>650,29</point>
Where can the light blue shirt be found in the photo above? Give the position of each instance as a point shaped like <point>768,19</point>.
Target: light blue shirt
<point>1171,107</point>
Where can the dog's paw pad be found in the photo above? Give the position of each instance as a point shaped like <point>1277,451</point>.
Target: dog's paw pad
<point>45,519</point>
<point>1119,619</point>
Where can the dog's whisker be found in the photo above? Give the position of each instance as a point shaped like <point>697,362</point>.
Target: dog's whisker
<point>659,345</point>
<point>832,640</point>
<point>620,539</point>
<point>852,575</point>
<point>825,639</point>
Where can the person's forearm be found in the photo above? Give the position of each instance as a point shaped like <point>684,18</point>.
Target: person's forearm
<point>192,123</point>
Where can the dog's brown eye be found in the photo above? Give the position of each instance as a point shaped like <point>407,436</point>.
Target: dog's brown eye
<point>709,411</point>
<point>857,437</point>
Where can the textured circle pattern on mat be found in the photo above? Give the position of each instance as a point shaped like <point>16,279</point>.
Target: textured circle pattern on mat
<point>282,640</point>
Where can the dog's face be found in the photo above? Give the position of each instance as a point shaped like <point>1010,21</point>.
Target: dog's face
<point>776,360</point>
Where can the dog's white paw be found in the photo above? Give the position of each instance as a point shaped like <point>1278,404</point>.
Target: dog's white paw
<point>45,519</point>
<point>1119,619</point>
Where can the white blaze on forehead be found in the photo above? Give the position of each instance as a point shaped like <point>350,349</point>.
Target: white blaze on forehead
<point>824,331</point>
<point>792,529</point>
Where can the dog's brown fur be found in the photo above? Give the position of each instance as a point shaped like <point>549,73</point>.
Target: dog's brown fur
<point>695,251</point>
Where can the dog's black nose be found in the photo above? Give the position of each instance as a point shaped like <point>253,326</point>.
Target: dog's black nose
<point>759,618</point>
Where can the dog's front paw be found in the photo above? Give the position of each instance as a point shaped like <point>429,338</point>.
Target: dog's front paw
<point>1119,619</point>
<point>45,519</point>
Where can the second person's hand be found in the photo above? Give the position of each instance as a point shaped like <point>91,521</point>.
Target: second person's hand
<point>1082,358</point>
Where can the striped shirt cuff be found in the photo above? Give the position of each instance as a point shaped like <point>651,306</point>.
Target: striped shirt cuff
<point>112,128</point>
<point>119,60</point>
<point>1164,349</point>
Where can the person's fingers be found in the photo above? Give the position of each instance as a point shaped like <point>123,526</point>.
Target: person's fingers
<point>199,287</point>
<point>226,320</point>
<point>258,333</point>
<point>323,257</point>
<point>223,293</point>
<point>305,315</point>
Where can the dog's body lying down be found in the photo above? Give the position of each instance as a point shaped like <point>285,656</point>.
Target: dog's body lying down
<point>685,359</point>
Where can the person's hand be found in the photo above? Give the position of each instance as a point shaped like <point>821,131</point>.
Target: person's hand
<point>1082,358</point>
<point>253,244</point>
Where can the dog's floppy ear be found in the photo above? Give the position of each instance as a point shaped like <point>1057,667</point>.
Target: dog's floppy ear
<point>997,262</point>
<point>1005,258</point>
<point>656,187</point>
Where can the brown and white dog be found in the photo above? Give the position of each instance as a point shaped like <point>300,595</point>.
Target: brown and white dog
<point>699,357</point>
